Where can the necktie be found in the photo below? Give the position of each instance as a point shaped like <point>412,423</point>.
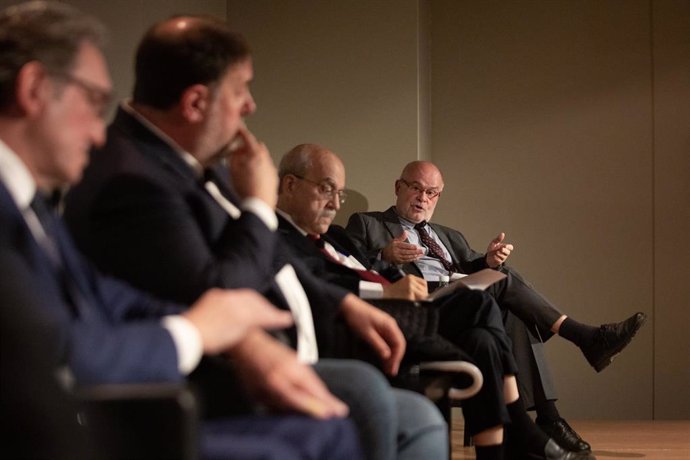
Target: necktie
<point>435,250</point>
<point>48,240</point>
<point>366,275</point>
<point>50,244</point>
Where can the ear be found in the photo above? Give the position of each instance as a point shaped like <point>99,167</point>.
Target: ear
<point>397,187</point>
<point>32,88</point>
<point>289,182</point>
<point>194,103</point>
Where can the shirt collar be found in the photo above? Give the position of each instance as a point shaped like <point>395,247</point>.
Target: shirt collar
<point>16,177</point>
<point>187,157</point>
<point>288,217</point>
<point>404,222</point>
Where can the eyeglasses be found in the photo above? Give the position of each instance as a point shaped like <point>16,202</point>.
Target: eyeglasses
<point>326,190</point>
<point>430,193</point>
<point>98,98</point>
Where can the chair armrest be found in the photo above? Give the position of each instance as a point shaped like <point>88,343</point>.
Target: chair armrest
<point>444,368</point>
<point>141,420</point>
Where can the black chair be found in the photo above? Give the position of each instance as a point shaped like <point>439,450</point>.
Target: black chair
<point>144,421</point>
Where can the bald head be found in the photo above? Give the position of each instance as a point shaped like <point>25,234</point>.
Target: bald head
<point>312,179</point>
<point>417,191</point>
<point>183,51</point>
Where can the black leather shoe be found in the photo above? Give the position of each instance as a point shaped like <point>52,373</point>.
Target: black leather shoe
<point>611,339</point>
<point>565,436</point>
<point>553,451</point>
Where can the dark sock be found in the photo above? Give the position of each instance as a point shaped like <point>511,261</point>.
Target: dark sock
<point>524,435</point>
<point>578,333</point>
<point>546,412</point>
<point>489,452</point>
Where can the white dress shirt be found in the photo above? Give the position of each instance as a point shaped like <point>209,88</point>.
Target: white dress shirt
<point>367,289</point>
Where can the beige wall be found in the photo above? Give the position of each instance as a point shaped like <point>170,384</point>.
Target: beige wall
<point>563,123</point>
<point>339,73</point>
<point>546,117</point>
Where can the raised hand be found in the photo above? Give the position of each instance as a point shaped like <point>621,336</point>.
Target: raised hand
<point>399,251</point>
<point>497,252</point>
<point>251,168</point>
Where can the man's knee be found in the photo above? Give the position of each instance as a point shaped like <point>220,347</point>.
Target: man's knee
<point>356,382</point>
<point>422,430</point>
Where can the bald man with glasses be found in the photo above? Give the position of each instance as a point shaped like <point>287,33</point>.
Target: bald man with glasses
<point>403,235</point>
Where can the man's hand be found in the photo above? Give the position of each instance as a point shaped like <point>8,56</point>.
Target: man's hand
<point>399,251</point>
<point>497,252</point>
<point>224,317</point>
<point>410,287</point>
<point>274,376</point>
<point>252,170</point>
<point>377,328</point>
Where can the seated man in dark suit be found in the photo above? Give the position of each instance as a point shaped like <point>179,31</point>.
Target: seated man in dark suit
<point>403,235</point>
<point>54,86</point>
<point>156,208</point>
<point>312,181</point>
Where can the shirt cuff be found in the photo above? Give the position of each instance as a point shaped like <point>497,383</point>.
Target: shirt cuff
<point>370,290</point>
<point>260,209</point>
<point>187,342</point>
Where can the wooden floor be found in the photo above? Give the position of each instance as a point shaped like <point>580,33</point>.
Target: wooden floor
<point>651,440</point>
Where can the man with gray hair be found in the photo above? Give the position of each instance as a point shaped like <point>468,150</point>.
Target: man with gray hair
<point>405,236</point>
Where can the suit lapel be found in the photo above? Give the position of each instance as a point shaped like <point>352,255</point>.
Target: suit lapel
<point>163,159</point>
<point>392,222</point>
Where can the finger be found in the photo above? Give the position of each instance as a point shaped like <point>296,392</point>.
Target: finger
<point>501,236</point>
<point>249,140</point>
<point>272,318</point>
<point>396,342</point>
<point>287,396</point>
<point>316,397</point>
<point>510,247</point>
<point>381,348</point>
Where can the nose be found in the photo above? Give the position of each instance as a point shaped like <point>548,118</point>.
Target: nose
<point>249,106</point>
<point>98,132</point>
<point>334,201</point>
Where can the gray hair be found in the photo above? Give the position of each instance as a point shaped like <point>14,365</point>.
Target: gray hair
<point>48,32</point>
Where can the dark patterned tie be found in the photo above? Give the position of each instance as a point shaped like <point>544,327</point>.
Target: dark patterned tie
<point>47,220</point>
<point>435,250</point>
<point>51,245</point>
<point>366,275</point>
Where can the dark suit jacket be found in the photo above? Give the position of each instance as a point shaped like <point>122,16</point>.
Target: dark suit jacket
<point>119,338</point>
<point>141,214</point>
<point>327,269</point>
<point>372,231</point>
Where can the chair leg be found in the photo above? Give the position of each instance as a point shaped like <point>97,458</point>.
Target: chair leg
<point>467,439</point>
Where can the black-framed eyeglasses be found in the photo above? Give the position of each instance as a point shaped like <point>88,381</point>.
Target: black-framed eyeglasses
<point>326,189</point>
<point>430,193</point>
<point>99,98</point>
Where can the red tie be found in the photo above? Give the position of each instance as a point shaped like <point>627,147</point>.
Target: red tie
<point>366,275</point>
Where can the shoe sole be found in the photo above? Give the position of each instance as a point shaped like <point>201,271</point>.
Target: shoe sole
<point>604,363</point>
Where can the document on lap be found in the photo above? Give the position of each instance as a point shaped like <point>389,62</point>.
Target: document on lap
<point>479,280</point>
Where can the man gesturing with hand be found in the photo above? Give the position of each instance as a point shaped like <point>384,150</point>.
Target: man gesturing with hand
<point>404,235</point>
